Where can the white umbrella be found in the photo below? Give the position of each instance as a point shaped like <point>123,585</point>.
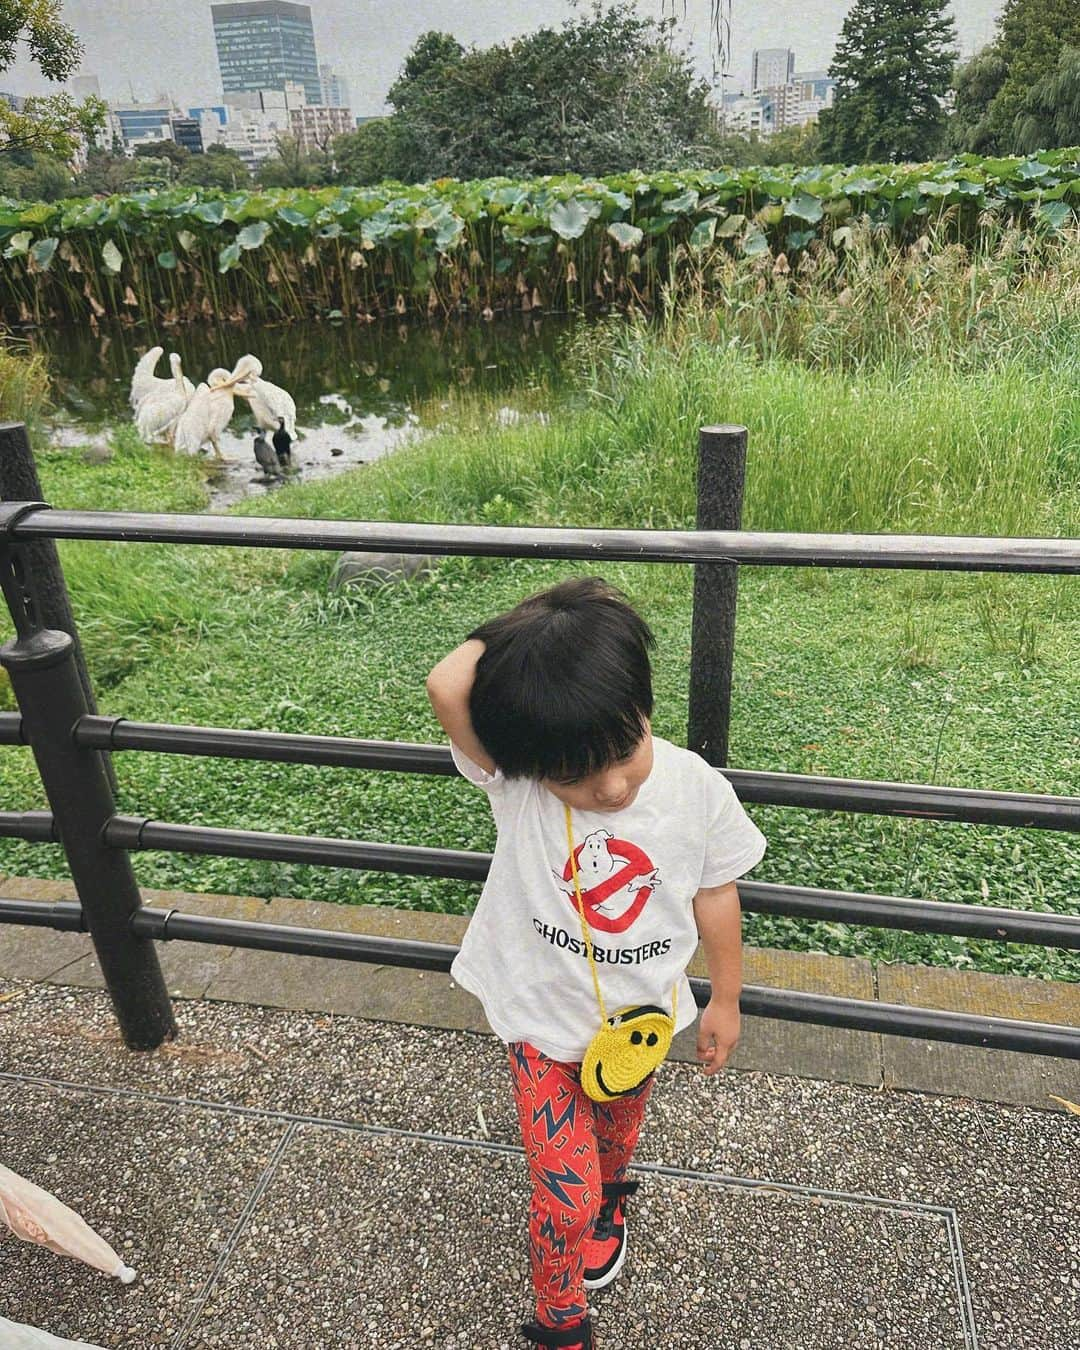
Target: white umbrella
<point>37,1216</point>
<point>17,1336</point>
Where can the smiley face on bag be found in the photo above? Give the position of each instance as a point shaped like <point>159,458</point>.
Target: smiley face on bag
<point>625,1051</point>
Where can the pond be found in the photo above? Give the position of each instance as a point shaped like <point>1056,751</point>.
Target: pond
<point>356,386</point>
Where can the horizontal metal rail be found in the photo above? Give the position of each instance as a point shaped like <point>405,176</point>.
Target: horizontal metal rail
<point>36,827</point>
<point>933,552</point>
<point>974,805</point>
<point>757,897</point>
<point>891,1019</point>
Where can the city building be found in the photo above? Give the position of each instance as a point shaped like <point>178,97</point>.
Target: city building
<point>816,91</point>
<point>264,44</point>
<point>314,126</point>
<point>772,67</point>
<point>256,120</point>
<point>335,88</point>
<point>745,113</point>
<point>134,123</point>
<point>187,132</point>
<point>781,106</point>
<point>814,84</point>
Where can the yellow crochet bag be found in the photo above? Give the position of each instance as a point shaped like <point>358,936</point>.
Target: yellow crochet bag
<point>633,1041</point>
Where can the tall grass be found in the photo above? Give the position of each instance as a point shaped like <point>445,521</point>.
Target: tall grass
<point>875,303</point>
<point>24,382</point>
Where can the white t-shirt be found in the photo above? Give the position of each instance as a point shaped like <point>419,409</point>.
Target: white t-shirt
<point>523,955</point>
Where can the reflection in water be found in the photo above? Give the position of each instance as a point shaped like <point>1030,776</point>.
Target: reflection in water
<point>354,384</point>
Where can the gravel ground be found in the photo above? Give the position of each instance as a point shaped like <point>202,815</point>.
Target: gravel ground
<point>253,1230</point>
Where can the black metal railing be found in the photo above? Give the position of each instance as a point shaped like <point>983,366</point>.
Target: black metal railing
<point>72,745</point>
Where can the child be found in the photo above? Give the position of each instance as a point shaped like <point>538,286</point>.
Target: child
<point>548,706</point>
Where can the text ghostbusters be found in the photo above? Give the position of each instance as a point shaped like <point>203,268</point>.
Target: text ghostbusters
<point>624,956</point>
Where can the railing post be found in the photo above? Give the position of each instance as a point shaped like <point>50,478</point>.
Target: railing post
<point>19,483</point>
<point>721,473</point>
<point>41,664</point>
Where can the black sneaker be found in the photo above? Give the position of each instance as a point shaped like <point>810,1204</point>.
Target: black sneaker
<point>577,1337</point>
<point>605,1250</point>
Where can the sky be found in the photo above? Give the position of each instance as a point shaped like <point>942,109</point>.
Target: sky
<point>167,46</point>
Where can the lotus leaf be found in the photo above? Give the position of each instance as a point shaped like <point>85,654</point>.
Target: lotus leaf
<point>799,239</point>
<point>1054,214</point>
<point>570,219</point>
<point>1031,168</point>
<point>702,234</point>
<point>42,252</point>
<point>625,234</point>
<point>805,207</point>
<point>213,213</point>
<point>450,231</point>
<point>677,206</point>
<point>253,235</point>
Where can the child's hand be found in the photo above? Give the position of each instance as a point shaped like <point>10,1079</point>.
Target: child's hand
<point>718,1033</point>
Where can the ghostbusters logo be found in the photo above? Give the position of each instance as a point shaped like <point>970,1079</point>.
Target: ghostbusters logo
<point>616,879</point>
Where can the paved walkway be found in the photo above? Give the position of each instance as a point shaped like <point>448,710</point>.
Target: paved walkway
<point>327,1157</point>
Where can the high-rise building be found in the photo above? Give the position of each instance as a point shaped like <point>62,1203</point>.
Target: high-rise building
<point>772,66</point>
<point>315,127</point>
<point>263,44</point>
<point>187,132</point>
<point>335,88</point>
<point>140,123</point>
<point>815,89</point>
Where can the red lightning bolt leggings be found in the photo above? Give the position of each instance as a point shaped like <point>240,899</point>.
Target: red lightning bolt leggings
<point>573,1145</point>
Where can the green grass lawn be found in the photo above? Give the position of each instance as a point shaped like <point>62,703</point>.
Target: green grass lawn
<point>960,679</point>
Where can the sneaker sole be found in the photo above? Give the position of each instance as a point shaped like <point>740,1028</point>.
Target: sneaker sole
<point>606,1279</point>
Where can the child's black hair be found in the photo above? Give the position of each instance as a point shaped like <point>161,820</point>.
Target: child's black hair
<point>564,685</point>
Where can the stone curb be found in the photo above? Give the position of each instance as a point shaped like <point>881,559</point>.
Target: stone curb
<point>431,999</point>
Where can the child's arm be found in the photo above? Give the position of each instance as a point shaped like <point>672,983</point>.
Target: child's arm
<point>719,923</point>
<point>448,687</point>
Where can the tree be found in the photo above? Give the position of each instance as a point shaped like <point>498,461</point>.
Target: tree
<point>994,112</point>
<point>55,124</point>
<point>292,166</point>
<point>893,65</point>
<point>1050,115</point>
<point>605,92</point>
<point>177,155</point>
<point>32,177</point>
<point>799,145</point>
<point>1030,38</point>
<point>105,173</point>
<point>976,85</point>
<point>370,154</point>
<point>218,168</point>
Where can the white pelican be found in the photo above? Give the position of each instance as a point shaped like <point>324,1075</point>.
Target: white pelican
<point>144,381</point>
<point>207,414</point>
<point>160,409</point>
<point>269,402</point>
